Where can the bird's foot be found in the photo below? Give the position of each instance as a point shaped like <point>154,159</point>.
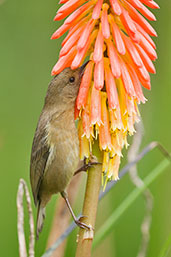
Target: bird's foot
<point>82,224</point>
<point>76,220</point>
<point>86,166</point>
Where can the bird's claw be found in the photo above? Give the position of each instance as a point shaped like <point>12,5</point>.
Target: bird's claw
<point>89,165</point>
<point>82,224</point>
<point>82,216</point>
<point>86,166</point>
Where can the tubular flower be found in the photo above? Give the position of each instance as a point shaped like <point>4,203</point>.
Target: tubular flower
<point>115,37</point>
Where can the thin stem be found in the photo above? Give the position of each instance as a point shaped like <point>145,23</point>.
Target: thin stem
<point>21,235</point>
<point>20,224</point>
<point>138,182</point>
<point>85,238</point>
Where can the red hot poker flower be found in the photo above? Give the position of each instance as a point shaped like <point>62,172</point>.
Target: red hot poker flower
<point>116,39</point>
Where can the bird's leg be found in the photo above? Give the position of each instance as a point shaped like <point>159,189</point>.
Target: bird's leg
<point>77,221</point>
<point>86,166</point>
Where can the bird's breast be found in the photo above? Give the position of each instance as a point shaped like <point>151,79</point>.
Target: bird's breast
<point>64,152</point>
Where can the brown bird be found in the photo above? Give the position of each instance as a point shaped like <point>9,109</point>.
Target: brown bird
<point>55,149</point>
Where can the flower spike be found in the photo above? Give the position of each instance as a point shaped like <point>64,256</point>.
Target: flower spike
<point>116,38</point>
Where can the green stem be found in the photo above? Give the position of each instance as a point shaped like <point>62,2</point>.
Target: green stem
<point>89,211</point>
<point>110,222</point>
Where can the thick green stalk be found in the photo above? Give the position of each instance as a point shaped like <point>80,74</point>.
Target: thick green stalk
<point>85,238</point>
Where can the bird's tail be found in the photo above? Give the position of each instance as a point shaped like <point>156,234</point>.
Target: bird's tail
<point>40,220</point>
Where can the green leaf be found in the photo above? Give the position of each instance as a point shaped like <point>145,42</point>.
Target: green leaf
<point>107,227</point>
<point>166,248</point>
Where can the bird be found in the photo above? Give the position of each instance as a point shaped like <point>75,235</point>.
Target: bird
<point>55,148</point>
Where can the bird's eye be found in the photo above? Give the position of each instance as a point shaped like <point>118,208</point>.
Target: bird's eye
<point>71,79</point>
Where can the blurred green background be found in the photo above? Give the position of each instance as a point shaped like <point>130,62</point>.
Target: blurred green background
<point>27,55</point>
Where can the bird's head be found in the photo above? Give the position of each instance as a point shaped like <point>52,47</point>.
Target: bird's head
<point>63,88</point>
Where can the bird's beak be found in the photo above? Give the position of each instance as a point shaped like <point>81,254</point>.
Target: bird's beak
<point>82,68</point>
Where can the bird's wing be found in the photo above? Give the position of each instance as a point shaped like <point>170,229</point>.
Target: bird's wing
<point>39,158</point>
